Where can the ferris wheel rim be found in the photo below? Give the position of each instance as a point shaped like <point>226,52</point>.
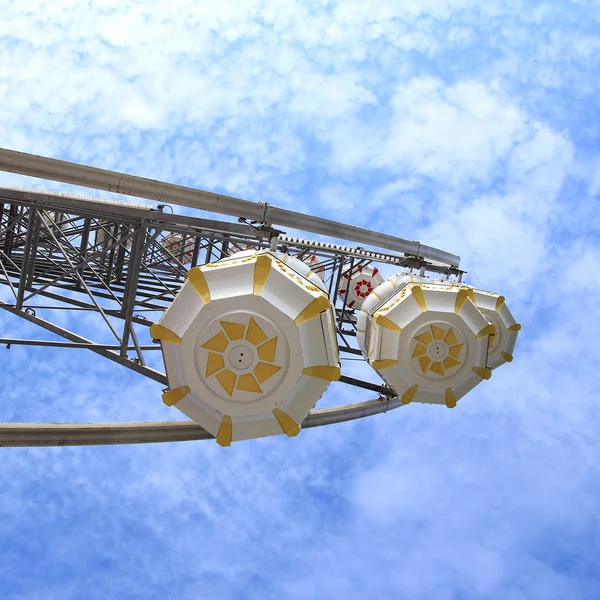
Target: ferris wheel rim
<point>31,435</point>
<point>42,167</point>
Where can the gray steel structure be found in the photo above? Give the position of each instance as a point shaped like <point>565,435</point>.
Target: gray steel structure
<point>67,252</point>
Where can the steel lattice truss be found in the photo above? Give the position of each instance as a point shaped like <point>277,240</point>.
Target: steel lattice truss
<point>64,252</point>
<point>125,262</point>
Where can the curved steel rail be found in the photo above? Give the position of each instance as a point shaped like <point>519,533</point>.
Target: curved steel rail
<point>100,434</point>
<point>141,187</point>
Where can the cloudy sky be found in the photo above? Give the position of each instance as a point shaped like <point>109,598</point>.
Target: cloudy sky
<point>469,125</point>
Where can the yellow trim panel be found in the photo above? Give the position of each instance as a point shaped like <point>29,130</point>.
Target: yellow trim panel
<point>314,309</point>
<point>383,364</point>
<point>387,323</point>
<point>326,373</point>
<point>160,332</point>
<point>198,280</point>
<point>262,266</point>
<point>450,398</point>
<point>225,432</point>
<point>287,424</point>
<point>417,292</point>
<point>172,397</point>
<point>234,331</point>
<point>409,394</point>
<point>461,299</point>
<point>482,372</point>
<point>255,335</point>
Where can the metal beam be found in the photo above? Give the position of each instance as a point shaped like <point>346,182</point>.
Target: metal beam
<point>366,385</point>
<point>52,344</point>
<point>29,254</point>
<point>101,434</point>
<point>73,337</point>
<point>141,187</point>
<point>129,292</point>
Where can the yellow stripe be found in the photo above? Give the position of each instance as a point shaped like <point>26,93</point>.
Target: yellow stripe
<point>450,337</point>
<point>247,383</point>
<point>383,364</point>
<point>417,292</point>
<point>438,332</point>
<point>450,398</point>
<point>409,394</point>
<point>255,335</point>
<point>483,373</point>
<point>425,363</point>
<point>461,298</point>
<point>262,266</point>
<point>420,350</point>
<point>225,432</point>
<point>268,350</point>
<point>172,397</point>
<point>217,342</point>
<point>214,363</point>
<point>437,368</point>
<point>449,362</point>
<point>227,380</point>
<point>287,424</point>
<point>326,373</point>
<point>159,332</point>
<point>263,371</point>
<point>315,308</point>
<point>198,280</point>
<point>424,338</point>
<point>387,323</point>
<point>486,331</point>
<point>234,331</point>
<point>515,327</point>
<point>506,356</point>
<point>499,302</point>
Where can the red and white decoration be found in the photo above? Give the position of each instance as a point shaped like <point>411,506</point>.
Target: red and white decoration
<point>362,283</point>
<point>173,242</point>
<point>237,247</point>
<point>316,265</point>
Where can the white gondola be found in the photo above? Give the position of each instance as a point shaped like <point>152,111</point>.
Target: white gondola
<point>249,345</point>
<point>506,329</point>
<point>356,286</point>
<point>428,341</point>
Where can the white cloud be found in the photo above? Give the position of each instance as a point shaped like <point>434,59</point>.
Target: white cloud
<point>452,134</point>
<point>506,238</point>
<point>425,119</point>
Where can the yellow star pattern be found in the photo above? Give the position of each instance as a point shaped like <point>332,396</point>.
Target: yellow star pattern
<point>253,334</point>
<point>437,334</point>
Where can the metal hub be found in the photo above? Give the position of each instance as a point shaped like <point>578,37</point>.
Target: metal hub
<point>437,350</point>
<point>241,357</point>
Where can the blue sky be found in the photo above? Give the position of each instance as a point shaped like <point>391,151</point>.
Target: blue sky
<point>468,125</point>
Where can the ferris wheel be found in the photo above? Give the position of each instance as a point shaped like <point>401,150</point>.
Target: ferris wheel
<point>252,324</point>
